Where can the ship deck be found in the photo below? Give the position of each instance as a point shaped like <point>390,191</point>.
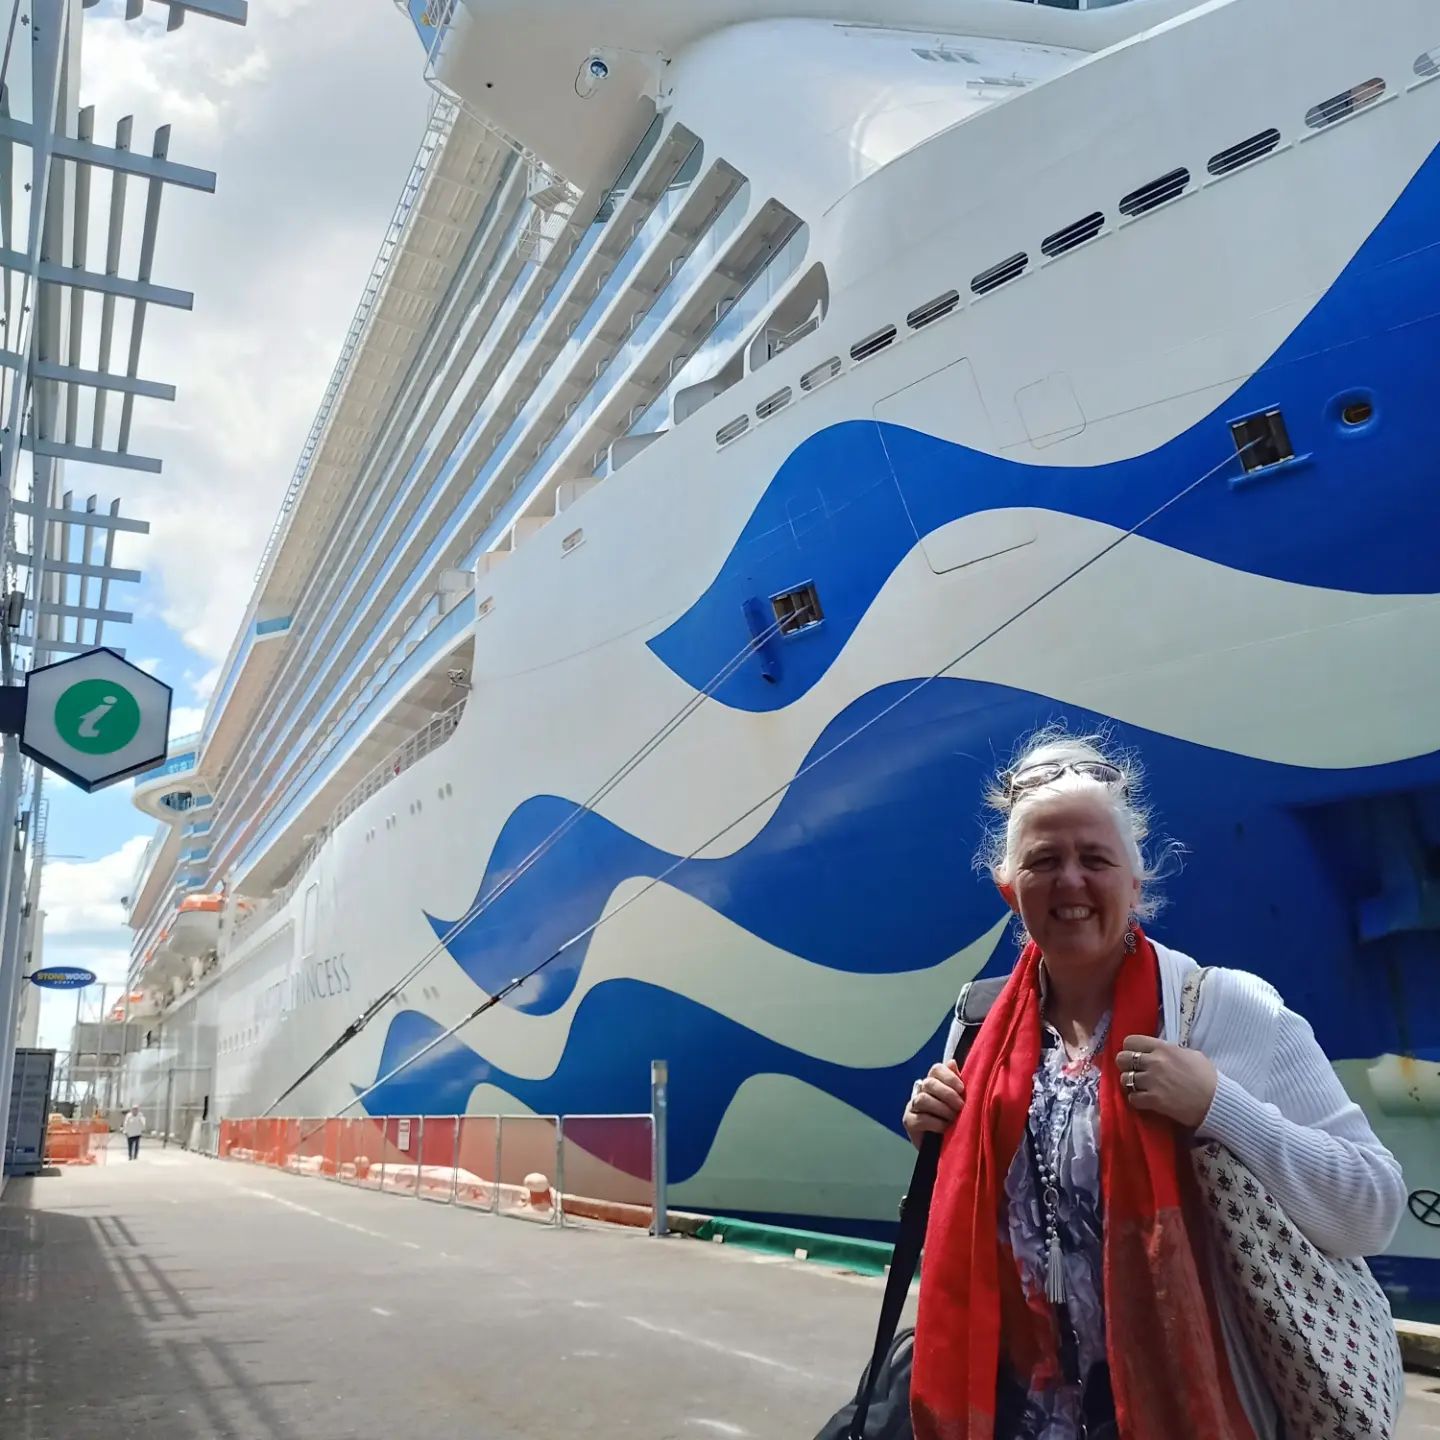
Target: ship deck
<point>179,1297</point>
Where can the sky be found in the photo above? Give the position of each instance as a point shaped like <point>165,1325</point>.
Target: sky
<point>310,116</point>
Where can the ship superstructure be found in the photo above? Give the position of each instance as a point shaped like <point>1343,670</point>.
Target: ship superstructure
<point>756,424</point>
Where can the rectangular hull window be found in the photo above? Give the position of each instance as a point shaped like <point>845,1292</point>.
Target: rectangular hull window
<point>1263,440</point>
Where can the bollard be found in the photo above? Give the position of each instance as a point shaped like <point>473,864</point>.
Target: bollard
<point>537,1187</point>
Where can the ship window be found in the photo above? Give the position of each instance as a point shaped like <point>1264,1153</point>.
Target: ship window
<point>1427,66</point>
<point>933,310</point>
<point>1074,235</point>
<point>1262,440</point>
<point>1001,274</point>
<point>1345,104</point>
<point>1242,154</point>
<point>798,609</point>
<point>814,379</point>
<point>772,404</point>
<point>872,344</point>
<point>942,55</point>
<point>1157,193</point>
<point>733,431</point>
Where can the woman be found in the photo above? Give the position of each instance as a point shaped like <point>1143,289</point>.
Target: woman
<point>1067,1289</point>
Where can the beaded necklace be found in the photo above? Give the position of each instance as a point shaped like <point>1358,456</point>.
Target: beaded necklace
<point>1053,1122</point>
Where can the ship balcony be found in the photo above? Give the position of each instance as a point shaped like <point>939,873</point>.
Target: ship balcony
<point>170,789</point>
<point>262,854</point>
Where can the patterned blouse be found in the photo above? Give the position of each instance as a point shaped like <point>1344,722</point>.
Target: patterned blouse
<point>1066,1101</point>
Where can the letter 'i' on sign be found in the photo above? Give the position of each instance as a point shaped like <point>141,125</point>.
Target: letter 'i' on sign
<point>95,718</point>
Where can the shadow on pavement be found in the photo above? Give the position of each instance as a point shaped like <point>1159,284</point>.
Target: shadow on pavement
<point>98,1342</point>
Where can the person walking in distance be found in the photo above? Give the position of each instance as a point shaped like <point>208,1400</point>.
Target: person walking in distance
<point>134,1128</point>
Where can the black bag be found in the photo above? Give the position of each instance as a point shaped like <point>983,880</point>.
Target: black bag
<point>881,1407</point>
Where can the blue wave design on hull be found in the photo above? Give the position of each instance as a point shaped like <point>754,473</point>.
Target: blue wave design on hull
<point>716,1056</point>
<point>866,867</point>
<point>1356,514</point>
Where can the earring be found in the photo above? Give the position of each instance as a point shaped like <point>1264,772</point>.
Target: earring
<point>1131,941</point>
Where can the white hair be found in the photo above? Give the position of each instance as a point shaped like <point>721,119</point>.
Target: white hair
<point>1124,800</point>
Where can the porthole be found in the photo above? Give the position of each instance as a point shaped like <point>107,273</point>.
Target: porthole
<point>1354,412</point>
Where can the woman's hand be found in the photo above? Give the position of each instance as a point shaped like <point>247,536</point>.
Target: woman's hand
<point>1168,1080</point>
<point>936,1104</point>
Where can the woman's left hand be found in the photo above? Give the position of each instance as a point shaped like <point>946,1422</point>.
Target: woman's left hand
<point>1169,1080</point>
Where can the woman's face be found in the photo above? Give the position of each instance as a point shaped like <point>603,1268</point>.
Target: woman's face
<point>1072,881</point>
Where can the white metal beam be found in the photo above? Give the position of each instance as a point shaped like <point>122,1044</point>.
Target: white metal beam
<point>123,131</point>
<point>90,518</point>
<point>67,647</point>
<point>86,612</point>
<point>139,290</point>
<point>154,190</point>
<point>237,12</point>
<point>85,455</point>
<point>75,567</point>
<point>73,375</point>
<point>107,157</point>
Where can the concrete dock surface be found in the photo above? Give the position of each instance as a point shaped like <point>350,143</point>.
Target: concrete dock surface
<point>177,1297</point>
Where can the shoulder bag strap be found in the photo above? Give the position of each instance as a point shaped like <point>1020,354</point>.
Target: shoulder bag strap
<point>1190,1003</point>
<point>971,1009</point>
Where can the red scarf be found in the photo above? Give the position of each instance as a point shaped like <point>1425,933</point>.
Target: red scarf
<point>1168,1367</point>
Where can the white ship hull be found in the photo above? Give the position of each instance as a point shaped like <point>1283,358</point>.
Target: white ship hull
<point>1034,506</point>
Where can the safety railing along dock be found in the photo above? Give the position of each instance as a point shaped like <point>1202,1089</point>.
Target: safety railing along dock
<point>557,1169</point>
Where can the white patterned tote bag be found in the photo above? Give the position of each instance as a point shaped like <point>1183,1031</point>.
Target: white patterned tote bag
<point>1320,1328</point>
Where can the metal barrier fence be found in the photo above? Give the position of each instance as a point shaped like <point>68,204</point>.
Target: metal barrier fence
<point>551,1169</point>
<point>77,1142</point>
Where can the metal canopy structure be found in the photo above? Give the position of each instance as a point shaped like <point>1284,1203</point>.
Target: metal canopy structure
<point>75,293</point>
<point>236,11</point>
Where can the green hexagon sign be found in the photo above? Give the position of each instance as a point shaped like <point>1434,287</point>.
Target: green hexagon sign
<point>95,718</point>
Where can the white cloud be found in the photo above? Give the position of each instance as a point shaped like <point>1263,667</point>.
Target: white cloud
<point>310,116</point>
<point>186,719</point>
<point>203,685</point>
<point>82,901</point>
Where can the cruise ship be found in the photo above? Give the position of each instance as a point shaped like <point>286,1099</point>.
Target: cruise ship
<point>759,418</point>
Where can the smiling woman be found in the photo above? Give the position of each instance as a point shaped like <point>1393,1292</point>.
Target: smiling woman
<point>1067,1289</point>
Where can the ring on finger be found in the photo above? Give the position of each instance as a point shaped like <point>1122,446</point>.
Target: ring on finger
<point>1129,1080</point>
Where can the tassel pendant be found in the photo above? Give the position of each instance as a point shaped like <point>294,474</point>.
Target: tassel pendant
<point>1055,1272</point>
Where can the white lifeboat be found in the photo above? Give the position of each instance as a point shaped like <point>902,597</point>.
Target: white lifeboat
<point>195,930</point>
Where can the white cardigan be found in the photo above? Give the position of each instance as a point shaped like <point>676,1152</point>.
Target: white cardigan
<point>1280,1107</point>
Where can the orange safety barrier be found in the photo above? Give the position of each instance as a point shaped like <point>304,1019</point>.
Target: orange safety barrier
<point>71,1142</point>
<point>536,1167</point>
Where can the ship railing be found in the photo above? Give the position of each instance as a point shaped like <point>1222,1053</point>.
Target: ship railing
<point>433,734</point>
<point>546,1169</point>
<point>442,120</point>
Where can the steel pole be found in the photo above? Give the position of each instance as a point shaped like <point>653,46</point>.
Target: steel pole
<point>659,1142</point>
<point>10,958</point>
